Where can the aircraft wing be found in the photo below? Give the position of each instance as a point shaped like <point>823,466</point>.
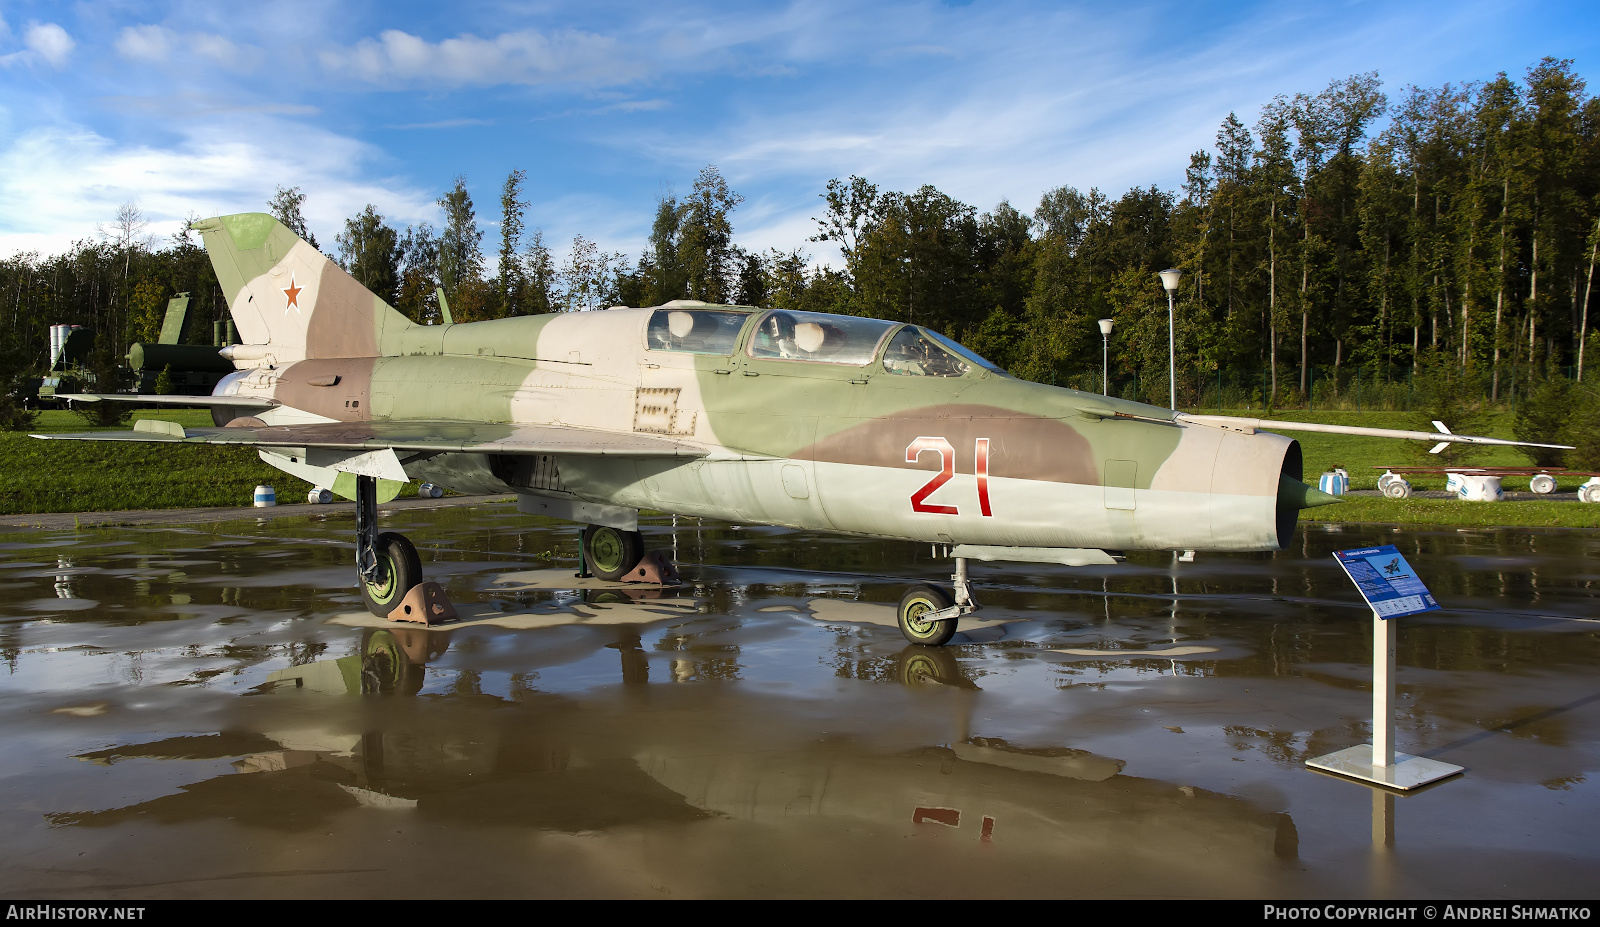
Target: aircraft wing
<point>416,436</point>
<point>241,402</point>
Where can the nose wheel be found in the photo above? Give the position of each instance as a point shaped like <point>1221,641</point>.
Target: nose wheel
<point>928,613</point>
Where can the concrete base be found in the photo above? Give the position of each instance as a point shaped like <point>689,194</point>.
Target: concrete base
<point>1407,772</point>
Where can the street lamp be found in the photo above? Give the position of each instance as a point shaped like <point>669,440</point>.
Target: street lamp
<point>1105,354</point>
<point>1169,282</point>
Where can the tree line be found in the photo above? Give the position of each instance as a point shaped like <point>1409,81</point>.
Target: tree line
<point>1344,234</point>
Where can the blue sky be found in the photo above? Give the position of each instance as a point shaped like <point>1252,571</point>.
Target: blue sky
<point>204,108</point>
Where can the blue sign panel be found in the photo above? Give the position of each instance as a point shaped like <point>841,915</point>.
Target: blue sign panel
<point>1386,581</point>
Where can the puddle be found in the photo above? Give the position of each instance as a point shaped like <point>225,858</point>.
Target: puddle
<point>763,729</point>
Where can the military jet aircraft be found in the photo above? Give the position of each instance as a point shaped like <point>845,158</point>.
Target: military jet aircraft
<point>807,420</point>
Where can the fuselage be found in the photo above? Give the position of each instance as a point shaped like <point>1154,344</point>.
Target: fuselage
<point>834,434</point>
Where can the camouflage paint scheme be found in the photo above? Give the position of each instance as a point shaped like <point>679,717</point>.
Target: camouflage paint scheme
<point>575,406</point>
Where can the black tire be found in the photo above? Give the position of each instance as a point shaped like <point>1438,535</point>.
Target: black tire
<point>402,569</point>
<point>918,601</point>
<point>610,553</point>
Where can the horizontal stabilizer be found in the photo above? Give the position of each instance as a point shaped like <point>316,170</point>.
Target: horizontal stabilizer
<point>202,402</point>
<point>1443,437</point>
<point>419,436</point>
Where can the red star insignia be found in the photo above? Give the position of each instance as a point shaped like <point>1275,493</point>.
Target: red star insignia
<point>293,293</point>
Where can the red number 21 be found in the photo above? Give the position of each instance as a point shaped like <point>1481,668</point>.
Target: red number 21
<point>947,460</point>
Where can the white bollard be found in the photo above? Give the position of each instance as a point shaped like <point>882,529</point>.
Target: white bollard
<point>265,497</point>
<point>1472,487</point>
<point>1331,483</point>
<point>319,496</point>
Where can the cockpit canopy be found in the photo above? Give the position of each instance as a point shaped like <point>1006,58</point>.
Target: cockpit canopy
<point>816,337</point>
<point>696,331</point>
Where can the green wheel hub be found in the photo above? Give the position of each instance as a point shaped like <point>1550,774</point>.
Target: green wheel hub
<point>608,550</point>
<point>915,606</point>
<point>386,591</point>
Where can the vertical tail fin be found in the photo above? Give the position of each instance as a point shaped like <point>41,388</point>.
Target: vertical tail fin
<point>286,294</point>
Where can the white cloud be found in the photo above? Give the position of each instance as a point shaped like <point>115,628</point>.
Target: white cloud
<point>145,43</point>
<point>57,183</point>
<point>158,45</point>
<point>50,42</point>
<point>523,57</point>
<point>45,42</point>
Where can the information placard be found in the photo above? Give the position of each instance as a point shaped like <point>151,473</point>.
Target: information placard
<point>1386,581</point>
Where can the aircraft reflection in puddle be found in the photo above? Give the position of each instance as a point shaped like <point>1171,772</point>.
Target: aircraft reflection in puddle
<point>663,767</point>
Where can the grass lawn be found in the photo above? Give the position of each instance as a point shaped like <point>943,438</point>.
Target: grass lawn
<point>1364,458</point>
<point>88,476</point>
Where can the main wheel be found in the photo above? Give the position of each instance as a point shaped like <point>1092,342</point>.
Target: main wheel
<point>1543,484</point>
<point>919,601</point>
<point>612,553</point>
<point>401,569</point>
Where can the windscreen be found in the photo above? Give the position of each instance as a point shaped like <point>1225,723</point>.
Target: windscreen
<point>911,353</point>
<point>816,336</point>
<point>695,331</point>
<point>964,352</point>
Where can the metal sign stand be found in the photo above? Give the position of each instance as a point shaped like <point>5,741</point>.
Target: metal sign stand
<point>1378,762</point>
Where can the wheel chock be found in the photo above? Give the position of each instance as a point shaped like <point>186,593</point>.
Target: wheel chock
<point>653,568</point>
<point>426,603</point>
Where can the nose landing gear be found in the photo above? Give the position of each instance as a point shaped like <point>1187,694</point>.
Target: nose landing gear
<point>928,613</point>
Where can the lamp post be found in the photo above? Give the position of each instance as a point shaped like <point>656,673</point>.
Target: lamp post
<point>1105,355</point>
<point>1169,282</point>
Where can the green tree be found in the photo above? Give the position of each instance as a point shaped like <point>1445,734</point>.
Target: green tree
<point>460,244</point>
<point>419,274</point>
<point>369,250</point>
<point>285,206</point>
<point>711,265</point>
<point>513,273</point>
<point>538,271</point>
<point>661,276</point>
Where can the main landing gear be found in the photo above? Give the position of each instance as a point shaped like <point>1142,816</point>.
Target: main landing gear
<point>390,570</point>
<point>619,556</point>
<point>928,613</point>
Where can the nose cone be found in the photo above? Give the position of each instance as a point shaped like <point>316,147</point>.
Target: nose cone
<point>1295,495</point>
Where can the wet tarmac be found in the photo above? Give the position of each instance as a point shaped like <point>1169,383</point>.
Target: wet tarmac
<point>205,710</point>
